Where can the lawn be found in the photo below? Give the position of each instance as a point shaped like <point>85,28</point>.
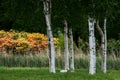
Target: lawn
<point>43,74</point>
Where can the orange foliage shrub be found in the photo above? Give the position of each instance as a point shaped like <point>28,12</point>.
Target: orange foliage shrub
<point>21,42</point>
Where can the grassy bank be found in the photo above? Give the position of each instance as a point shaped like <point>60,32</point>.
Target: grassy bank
<point>43,74</point>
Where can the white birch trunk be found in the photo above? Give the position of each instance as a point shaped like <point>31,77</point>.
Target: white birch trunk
<point>66,53</point>
<point>71,51</point>
<point>105,48</point>
<point>94,48</point>
<point>103,44</point>
<point>92,68</point>
<point>47,12</point>
<point>102,52</point>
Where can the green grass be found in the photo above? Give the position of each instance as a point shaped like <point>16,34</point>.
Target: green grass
<point>43,74</point>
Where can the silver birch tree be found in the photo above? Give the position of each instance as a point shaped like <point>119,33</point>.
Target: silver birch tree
<point>47,13</point>
<point>103,44</point>
<point>92,68</point>
<point>105,48</point>
<point>71,51</point>
<point>66,53</point>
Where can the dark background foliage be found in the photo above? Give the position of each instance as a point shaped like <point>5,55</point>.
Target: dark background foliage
<point>27,15</point>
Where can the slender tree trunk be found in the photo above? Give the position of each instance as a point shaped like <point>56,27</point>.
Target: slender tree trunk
<point>103,45</point>
<point>92,68</point>
<point>71,51</point>
<point>94,47</point>
<point>47,12</point>
<point>102,42</point>
<point>105,48</point>
<point>66,53</point>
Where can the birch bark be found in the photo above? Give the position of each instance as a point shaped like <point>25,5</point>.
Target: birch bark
<point>103,44</point>
<point>92,68</point>
<point>71,51</point>
<point>66,53</point>
<point>105,48</point>
<point>47,13</point>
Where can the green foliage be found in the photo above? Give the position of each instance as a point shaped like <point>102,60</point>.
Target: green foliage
<point>22,15</point>
<point>28,16</point>
<point>61,39</point>
<point>114,47</point>
<point>83,45</point>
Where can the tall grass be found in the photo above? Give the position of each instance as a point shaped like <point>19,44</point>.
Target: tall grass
<point>26,61</point>
<point>35,61</point>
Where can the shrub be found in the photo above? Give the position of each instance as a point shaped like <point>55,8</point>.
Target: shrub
<point>114,47</point>
<point>13,42</point>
